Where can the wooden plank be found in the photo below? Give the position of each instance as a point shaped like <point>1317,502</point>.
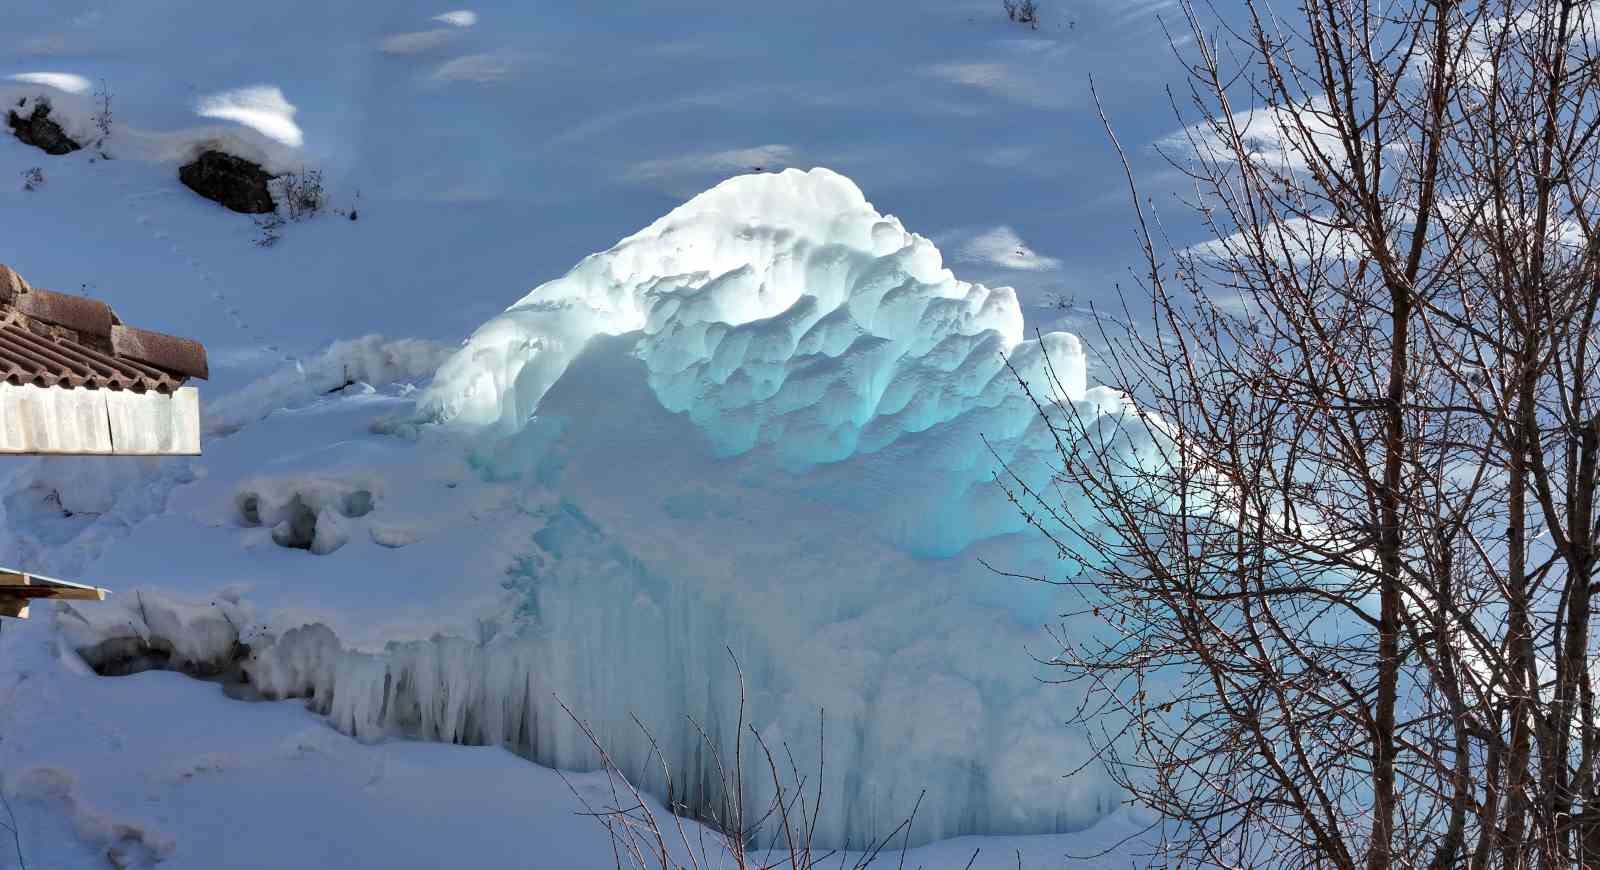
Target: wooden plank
<point>18,588</point>
<point>13,577</point>
<point>13,602</point>
<point>64,593</point>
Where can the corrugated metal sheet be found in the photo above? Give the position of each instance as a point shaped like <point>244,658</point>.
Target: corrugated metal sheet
<point>42,420</point>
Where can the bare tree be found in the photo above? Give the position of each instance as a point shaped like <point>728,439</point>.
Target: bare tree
<point>1342,542</point>
<point>102,114</point>
<point>1022,12</point>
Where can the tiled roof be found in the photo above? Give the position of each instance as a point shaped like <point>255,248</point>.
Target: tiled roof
<point>51,339</point>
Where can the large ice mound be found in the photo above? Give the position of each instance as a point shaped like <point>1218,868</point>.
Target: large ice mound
<point>751,298</point>
<point>769,422</point>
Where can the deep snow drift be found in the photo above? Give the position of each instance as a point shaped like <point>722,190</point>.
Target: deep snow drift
<point>758,425</point>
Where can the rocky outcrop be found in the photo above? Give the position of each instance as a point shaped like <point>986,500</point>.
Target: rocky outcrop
<point>39,130</point>
<point>233,182</point>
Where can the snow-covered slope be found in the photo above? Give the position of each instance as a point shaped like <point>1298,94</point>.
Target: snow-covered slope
<point>786,454</point>
<point>711,451</point>
<point>764,424</point>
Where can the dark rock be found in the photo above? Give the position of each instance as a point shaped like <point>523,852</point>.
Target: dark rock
<point>299,530</point>
<point>249,505</point>
<point>233,182</point>
<point>39,131</point>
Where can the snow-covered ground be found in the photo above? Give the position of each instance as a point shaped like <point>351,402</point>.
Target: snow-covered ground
<point>659,509</point>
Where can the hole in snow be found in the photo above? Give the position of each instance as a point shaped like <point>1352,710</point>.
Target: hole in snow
<point>358,503</point>
<point>298,529</point>
<point>249,508</point>
<point>146,631</point>
<point>308,514</point>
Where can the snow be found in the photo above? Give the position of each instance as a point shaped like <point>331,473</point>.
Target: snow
<point>613,546</point>
<point>68,83</point>
<point>153,630</point>
<point>458,18</point>
<point>369,359</point>
<point>262,108</point>
<point>1002,246</point>
<point>261,124</point>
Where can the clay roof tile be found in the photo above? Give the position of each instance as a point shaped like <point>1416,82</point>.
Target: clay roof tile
<point>84,315</point>
<point>167,352</point>
<point>52,339</point>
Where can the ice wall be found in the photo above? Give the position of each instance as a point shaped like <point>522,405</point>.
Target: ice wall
<point>769,422</point>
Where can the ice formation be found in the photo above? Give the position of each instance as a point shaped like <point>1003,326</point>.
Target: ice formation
<point>768,423</point>
<point>766,284</point>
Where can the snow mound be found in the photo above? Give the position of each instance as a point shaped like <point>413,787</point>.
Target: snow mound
<point>261,108</point>
<point>774,307</point>
<point>371,359</point>
<point>767,424</point>
<point>69,83</point>
<point>253,123</point>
